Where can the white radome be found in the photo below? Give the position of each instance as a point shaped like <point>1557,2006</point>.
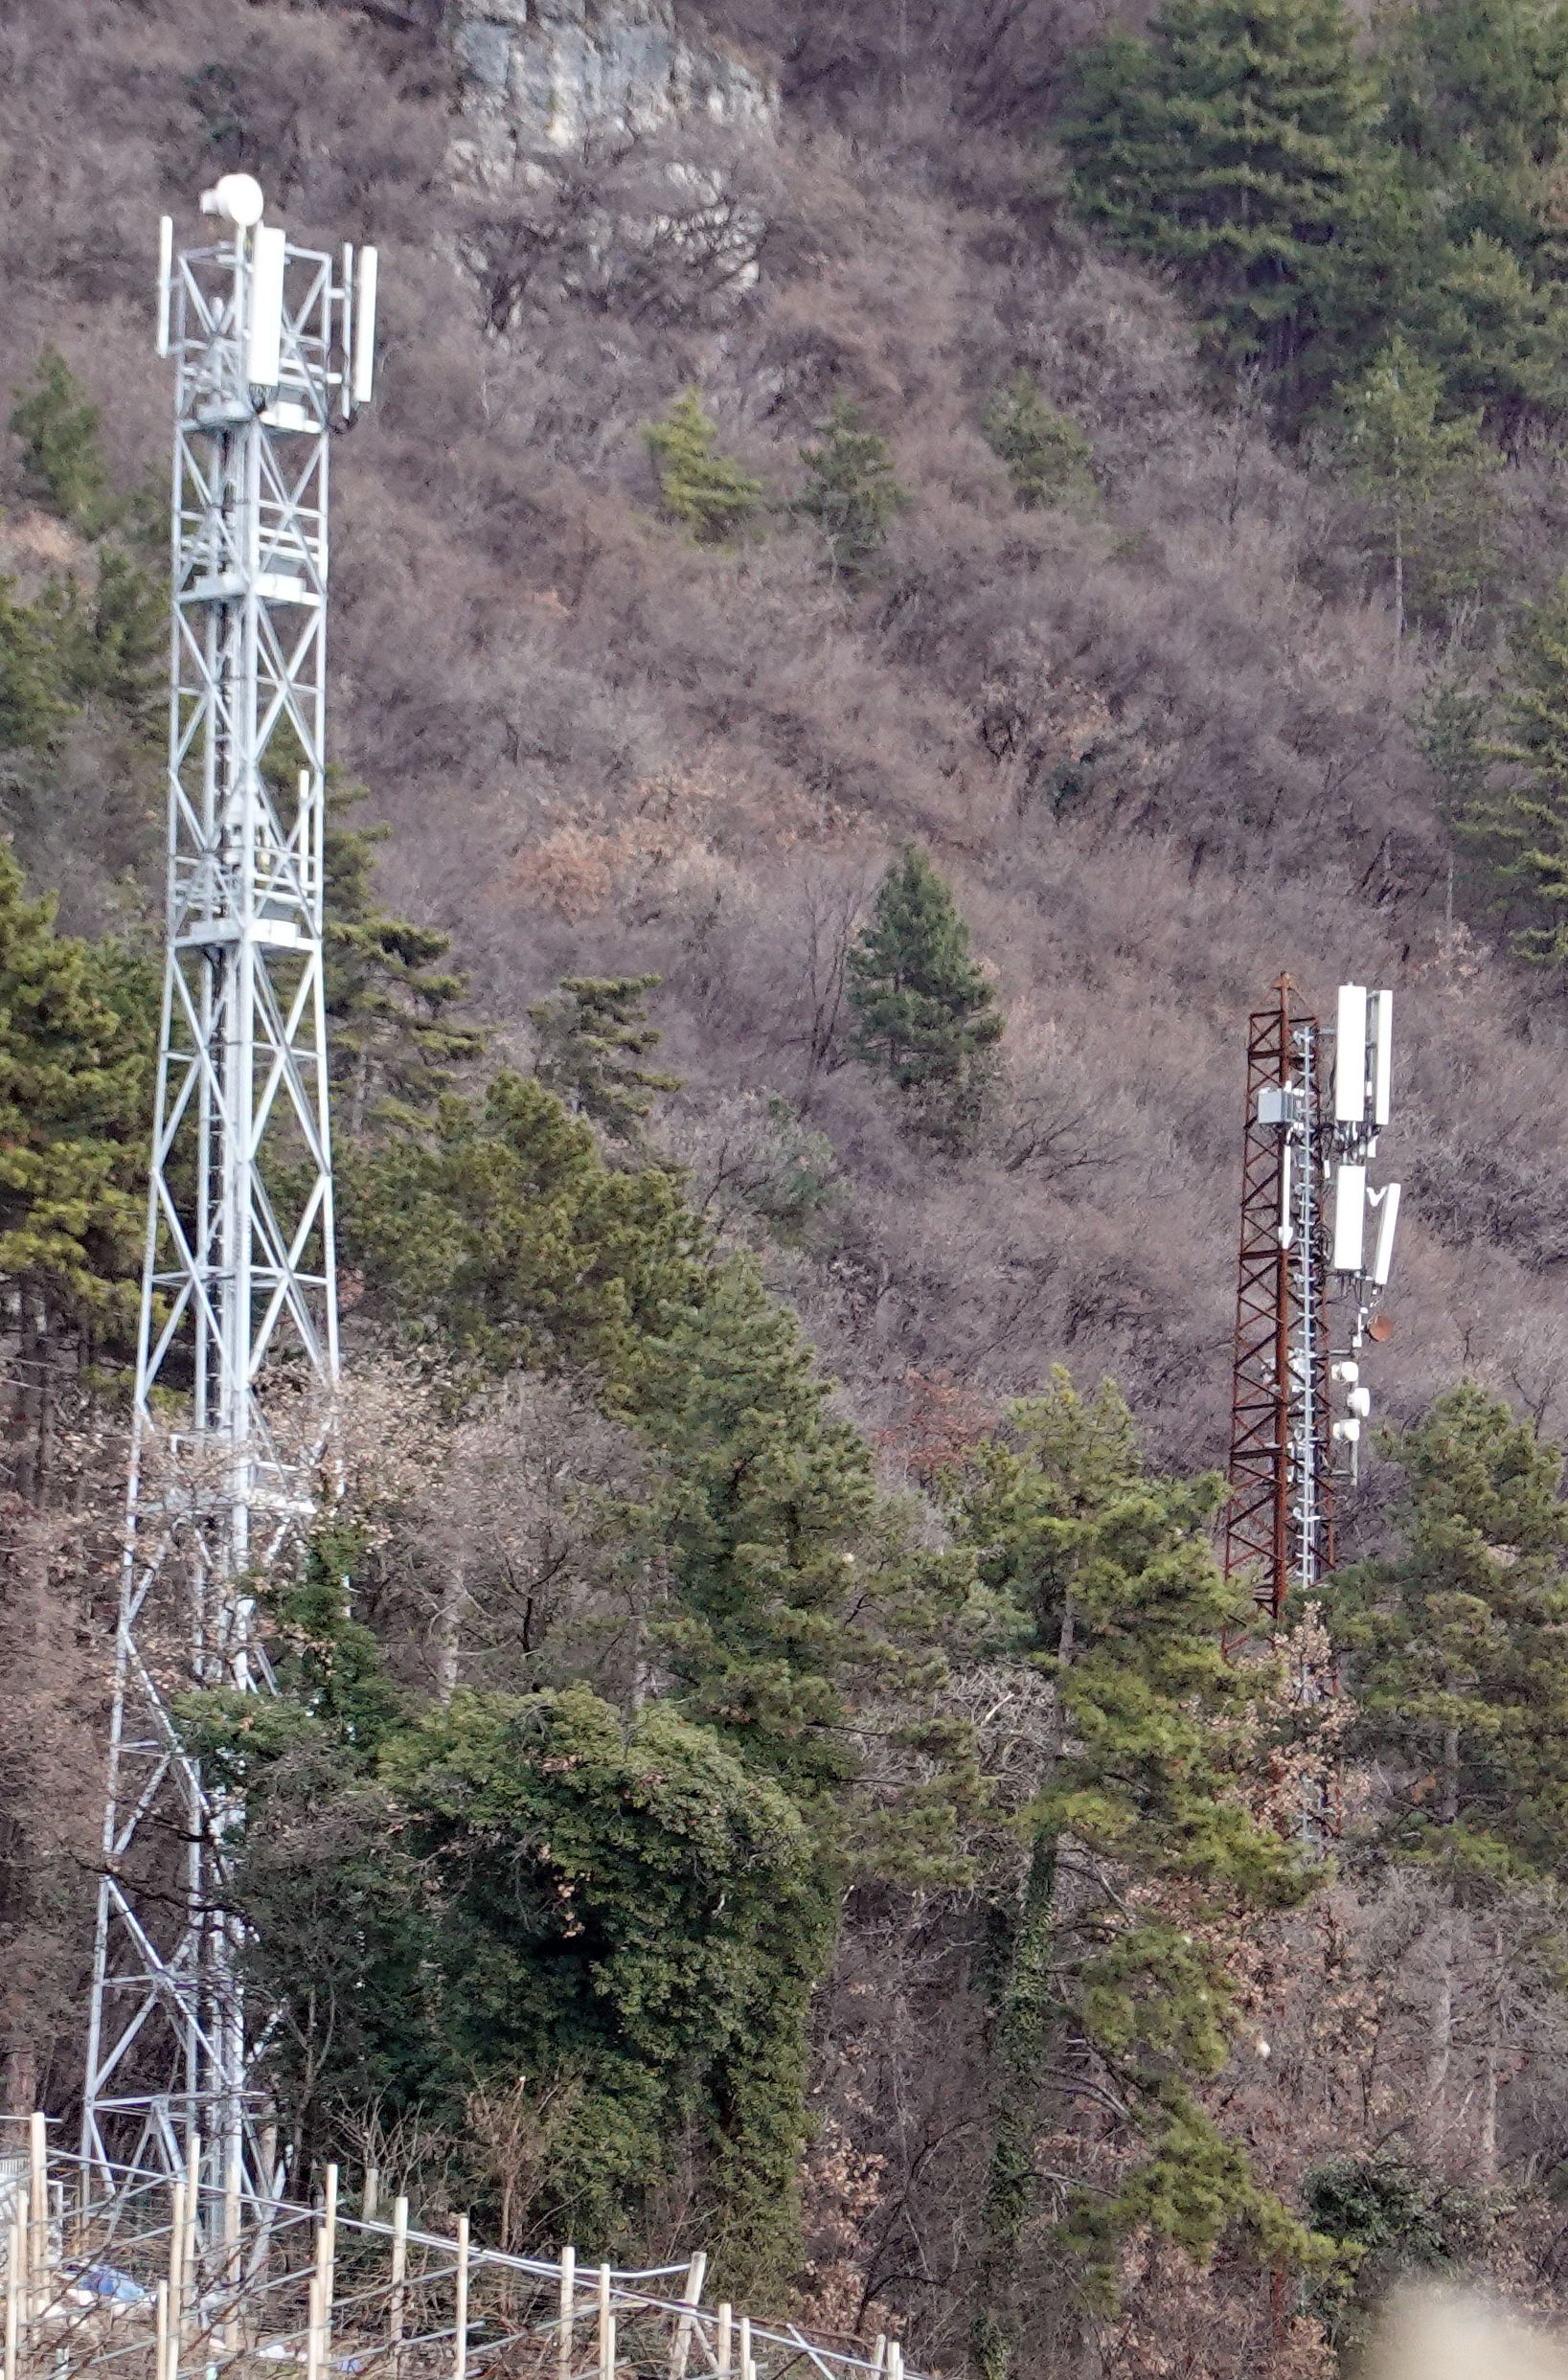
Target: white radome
<point>238,198</point>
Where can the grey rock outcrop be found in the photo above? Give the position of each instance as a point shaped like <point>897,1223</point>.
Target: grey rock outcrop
<point>546,75</point>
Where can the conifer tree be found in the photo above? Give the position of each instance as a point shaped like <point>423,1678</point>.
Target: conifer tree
<point>393,1040</point>
<point>594,1034</point>
<point>76,1047</point>
<point>1456,1647</point>
<point>707,492</point>
<point>925,1015</point>
<point>1426,483</point>
<point>851,491</point>
<point>1228,143</point>
<point>1046,454</point>
<point>1519,825</point>
<point>59,429</point>
<point>1103,1579</point>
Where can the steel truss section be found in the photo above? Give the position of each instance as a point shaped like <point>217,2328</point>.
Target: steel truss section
<point>237,1350</point>
<point>1279,1525</point>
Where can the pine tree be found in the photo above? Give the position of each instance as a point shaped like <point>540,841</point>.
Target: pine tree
<point>1228,144</point>
<point>925,1013</point>
<point>1046,454</point>
<point>705,492</point>
<point>494,1228</point>
<point>1519,826</point>
<point>1456,1647</point>
<point>593,1036</point>
<point>1426,483</point>
<point>1103,1579</point>
<point>76,1049</point>
<point>851,491</point>
<point>61,450</point>
<point>393,1040</point>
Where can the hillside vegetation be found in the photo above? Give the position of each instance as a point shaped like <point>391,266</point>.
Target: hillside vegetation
<point>844,700</point>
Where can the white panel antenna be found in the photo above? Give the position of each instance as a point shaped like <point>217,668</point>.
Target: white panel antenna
<point>1387,1203</point>
<point>364,329</point>
<point>166,271</point>
<point>1351,1055</point>
<point>264,332</point>
<point>1349,1218</point>
<point>1383,1055</point>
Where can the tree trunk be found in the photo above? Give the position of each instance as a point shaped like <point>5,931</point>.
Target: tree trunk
<point>1440,2035</point>
<point>1026,2019</point>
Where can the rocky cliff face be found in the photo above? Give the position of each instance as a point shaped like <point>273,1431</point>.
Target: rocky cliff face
<point>543,75</point>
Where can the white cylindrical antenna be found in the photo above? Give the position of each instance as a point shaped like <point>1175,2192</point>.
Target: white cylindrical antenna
<point>1286,1230</point>
<point>1349,1218</point>
<point>166,278</point>
<point>1351,1055</point>
<point>364,329</point>
<point>1383,1059</point>
<point>264,332</point>
<point>1388,1217</point>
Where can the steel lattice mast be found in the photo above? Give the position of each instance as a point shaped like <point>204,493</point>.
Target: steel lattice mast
<point>1304,1269</point>
<point>238,1348</point>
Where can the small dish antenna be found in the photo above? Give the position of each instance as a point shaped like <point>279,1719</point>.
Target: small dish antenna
<point>238,198</point>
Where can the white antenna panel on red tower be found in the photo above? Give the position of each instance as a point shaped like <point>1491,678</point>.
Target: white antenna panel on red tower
<point>1351,1055</point>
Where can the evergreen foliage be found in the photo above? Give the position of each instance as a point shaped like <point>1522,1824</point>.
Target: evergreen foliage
<point>495,1229</point>
<point>594,1034</point>
<point>394,1041</point>
<point>1425,483</point>
<point>852,492</point>
<point>61,451</point>
<point>76,1037</point>
<point>1394,2220</point>
<point>1519,824</point>
<point>925,1015</point>
<point>1046,454</point>
<point>1104,1580</point>
<point>1456,1647</point>
<point>1227,143</point>
<point>707,492</point>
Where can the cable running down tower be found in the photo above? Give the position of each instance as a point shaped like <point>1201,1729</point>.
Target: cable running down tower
<point>273,348</point>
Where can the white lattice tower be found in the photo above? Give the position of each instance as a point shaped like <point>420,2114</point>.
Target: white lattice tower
<point>238,1353</point>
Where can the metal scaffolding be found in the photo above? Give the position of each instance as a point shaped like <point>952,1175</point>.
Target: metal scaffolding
<point>1278,1526</point>
<point>238,1348</point>
<point>1306,1266</point>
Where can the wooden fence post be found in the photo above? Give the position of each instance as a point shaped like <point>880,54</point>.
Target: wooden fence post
<point>460,2344</point>
<point>690,2295</point>
<point>37,2212</point>
<point>746,2373</point>
<point>399,2274</point>
<point>606,2326</point>
<point>568,2313</point>
<point>15,2258</point>
<point>725,2319</point>
<point>174,2285</point>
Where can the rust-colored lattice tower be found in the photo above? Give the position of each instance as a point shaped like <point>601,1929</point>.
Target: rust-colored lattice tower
<point>1279,1526</point>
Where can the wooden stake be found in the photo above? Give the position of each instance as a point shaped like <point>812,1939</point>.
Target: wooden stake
<point>725,2317</point>
<point>690,2295</point>
<point>160,2354</point>
<point>174,2287</point>
<point>568,2312</point>
<point>36,2260</point>
<point>313,2325</point>
<point>745,2348</point>
<point>460,2345</point>
<point>400,2271</point>
<point>16,2250</point>
<point>606,2326</point>
<point>879,2353</point>
<point>326,2269</point>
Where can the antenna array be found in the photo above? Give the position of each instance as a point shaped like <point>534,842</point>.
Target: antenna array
<point>1317,1244</point>
<point>238,1348</point>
